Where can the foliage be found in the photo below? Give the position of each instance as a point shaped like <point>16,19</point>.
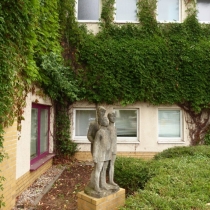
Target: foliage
<point>58,80</point>
<point>17,67</point>
<point>157,63</point>
<point>64,145</point>
<point>207,138</point>
<point>166,67</point>
<point>1,188</point>
<point>29,30</point>
<point>178,182</point>
<point>131,173</point>
<point>184,152</point>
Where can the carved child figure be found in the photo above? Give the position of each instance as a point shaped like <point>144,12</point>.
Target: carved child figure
<point>101,151</point>
<point>94,126</point>
<point>113,137</point>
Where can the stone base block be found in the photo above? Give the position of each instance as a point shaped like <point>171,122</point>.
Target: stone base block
<point>110,202</point>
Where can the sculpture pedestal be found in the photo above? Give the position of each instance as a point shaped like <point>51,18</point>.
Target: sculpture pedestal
<point>110,202</point>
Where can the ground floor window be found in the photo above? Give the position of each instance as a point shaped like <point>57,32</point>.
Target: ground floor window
<point>39,131</point>
<point>82,119</point>
<point>127,124</point>
<point>169,124</point>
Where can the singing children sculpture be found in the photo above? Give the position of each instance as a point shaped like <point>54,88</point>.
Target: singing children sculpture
<point>103,138</point>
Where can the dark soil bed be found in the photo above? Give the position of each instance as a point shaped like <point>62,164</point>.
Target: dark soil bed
<point>63,194</point>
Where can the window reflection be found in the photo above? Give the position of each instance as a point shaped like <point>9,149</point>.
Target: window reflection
<point>126,123</point>
<point>169,123</point>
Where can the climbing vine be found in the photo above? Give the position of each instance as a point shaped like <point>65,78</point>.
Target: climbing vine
<point>29,32</point>
<point>158,63</point>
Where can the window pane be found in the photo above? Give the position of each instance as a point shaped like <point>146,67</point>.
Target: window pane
<point>88,9</point>
<point>203,10</point>
<point>43,131</point>
<point>83,119</point>
<point>126,10</point>
<point>126,123</point>
<point>168,10</point>
<point>34,132</point>
<point>169,123</point>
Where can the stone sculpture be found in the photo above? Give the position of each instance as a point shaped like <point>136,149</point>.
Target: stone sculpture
<point>103,137</point>
<point>94,126</point>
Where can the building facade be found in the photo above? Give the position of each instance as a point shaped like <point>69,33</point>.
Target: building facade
<point>30,150</point>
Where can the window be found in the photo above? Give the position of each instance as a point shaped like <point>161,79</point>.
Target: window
<point>88,10</point>
<point>126,11</point>
<point>82,119</point>
<point>168,11</point>
<point>39,131</point>
<point>203,7</point>
<point>170,124</point>
<point>127,124</point>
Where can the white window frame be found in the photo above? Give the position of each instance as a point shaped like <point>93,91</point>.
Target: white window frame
<point>124,21</point>
<point>171,140</point>
<point>166,21</point>
<point>208,21</point>
<point>82,139</point>
<point>130,139</point>
<point>85,21</point>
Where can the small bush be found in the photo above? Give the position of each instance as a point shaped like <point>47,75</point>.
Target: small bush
<point>207,138</point>
<point>203,150</point>
<point>131,173</point>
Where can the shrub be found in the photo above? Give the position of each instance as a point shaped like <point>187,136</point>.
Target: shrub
<point>207,138</point>
<point>184,151</point>
<point>131,173</point>
<point>180,183</point>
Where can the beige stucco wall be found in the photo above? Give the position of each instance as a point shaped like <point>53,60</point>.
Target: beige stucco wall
<point>147,129</point>
<point>23,144</point>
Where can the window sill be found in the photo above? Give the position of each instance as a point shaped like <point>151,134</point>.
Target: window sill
<point>125,21</point>
<point>118,142</point>
<point>128,142</point>
<point>88,21</point>
<point>171,142</point>
<point>40,162</point>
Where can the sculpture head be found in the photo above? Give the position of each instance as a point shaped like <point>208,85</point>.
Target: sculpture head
<point>100,114</point>
<point>104,122</point>
<point>112,117</point>
<point>101,111</point>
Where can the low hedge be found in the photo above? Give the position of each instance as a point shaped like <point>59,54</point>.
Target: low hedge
<point>184,151</point>
<point>176,179</point>
<point>131,173</point>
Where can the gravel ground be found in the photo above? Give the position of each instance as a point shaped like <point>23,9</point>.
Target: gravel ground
<point>35,192</point>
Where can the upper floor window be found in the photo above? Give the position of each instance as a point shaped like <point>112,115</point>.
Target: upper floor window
<point>203,7</point>
<point>88,10</point>
<point>126,11</point>
<point>169,124</point>
<point>39,131</point>
<point>168,10</point>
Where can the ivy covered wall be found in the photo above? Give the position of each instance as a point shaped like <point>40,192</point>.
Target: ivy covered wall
<point>157,63</point>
